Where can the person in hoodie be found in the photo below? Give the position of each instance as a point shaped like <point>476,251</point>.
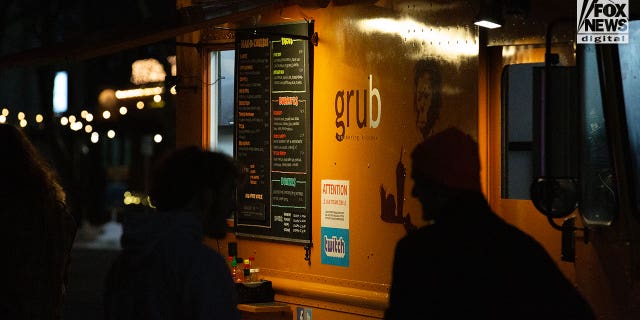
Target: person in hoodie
<point>468,263</point>
<point>164,270</point>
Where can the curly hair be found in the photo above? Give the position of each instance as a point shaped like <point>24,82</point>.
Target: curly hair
<point>27,179</point>
<point>37,231</point>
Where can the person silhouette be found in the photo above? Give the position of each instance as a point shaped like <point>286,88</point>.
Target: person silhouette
<point>468,263</point>
<point>36,233</point>
<point>165,271</point>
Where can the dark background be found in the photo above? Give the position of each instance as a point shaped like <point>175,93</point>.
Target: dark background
<point>39,38</point>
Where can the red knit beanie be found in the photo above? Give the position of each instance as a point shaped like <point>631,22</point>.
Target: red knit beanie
<point>449,157</point>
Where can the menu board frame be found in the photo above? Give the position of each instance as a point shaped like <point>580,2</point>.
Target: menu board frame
<point>272,140</point>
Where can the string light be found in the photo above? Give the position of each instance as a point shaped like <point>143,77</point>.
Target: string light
<point>74,123</point>
<point>76,126</point>
<point>144,71</point>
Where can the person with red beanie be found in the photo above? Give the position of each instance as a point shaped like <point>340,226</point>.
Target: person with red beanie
<point>468,263</point>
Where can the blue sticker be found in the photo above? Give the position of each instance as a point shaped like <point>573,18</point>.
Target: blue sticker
<point>335,246</point>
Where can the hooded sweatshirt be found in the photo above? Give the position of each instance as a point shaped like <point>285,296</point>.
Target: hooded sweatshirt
<point>165,271</point>
<point>471,264</point>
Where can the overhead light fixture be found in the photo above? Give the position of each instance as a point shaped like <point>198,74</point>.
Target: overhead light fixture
<point>490,15</point>
<point>488,23</point>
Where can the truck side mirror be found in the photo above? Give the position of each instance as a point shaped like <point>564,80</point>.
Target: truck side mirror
<point>555,197</point>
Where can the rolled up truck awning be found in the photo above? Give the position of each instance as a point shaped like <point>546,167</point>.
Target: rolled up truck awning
<point>184,20</point>
<point>201,14</point>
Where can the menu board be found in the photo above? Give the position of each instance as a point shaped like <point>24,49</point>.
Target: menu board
<point>273,132</point>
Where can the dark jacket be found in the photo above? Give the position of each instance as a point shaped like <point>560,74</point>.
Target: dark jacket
<point>470,264</point>
<point>36,248</point>
<point>166,272</point>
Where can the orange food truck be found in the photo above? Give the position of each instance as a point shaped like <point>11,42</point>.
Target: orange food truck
<point>323,101</point>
